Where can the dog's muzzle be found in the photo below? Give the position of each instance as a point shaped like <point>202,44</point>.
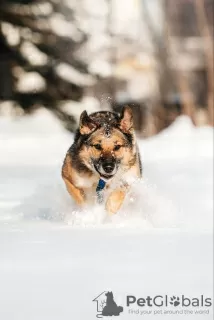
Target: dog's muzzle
<point>106,168</point>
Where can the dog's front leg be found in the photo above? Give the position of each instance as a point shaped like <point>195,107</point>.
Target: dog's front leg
<point>76,193</point>
<point>115,200</point>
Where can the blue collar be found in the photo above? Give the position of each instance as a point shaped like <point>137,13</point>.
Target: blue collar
<point>101,185</point>
<point>99,189</point>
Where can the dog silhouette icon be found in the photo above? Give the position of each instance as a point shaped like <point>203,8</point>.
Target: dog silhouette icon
<point>111,308</point>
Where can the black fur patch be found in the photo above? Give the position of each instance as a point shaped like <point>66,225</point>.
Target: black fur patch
<point>76,159</point>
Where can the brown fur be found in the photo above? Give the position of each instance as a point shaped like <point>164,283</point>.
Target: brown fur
<point>103,139</point>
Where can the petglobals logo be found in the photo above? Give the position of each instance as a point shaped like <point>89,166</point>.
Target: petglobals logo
<point>106,305</point>
<point>168,305</point>
<point>167,301</point>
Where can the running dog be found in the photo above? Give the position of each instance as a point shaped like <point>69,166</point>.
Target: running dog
<point>104,159</point>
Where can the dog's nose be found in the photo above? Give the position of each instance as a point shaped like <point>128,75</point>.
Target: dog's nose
<point>108,167</point>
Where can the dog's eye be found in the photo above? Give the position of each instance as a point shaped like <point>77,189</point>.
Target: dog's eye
<point>116,148</point>
<point>98,146</point>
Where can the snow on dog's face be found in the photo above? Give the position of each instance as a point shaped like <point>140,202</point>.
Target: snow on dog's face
<point>107,141</point>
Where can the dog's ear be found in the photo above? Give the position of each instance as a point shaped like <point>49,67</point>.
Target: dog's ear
<point>126,119</point>
<point>86,125</point>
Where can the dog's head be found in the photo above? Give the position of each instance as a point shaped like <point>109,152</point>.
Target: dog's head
<point>109,295</point>
<point>106,141</point>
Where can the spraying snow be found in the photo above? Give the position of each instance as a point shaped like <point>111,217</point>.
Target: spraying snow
<point>175,192</point>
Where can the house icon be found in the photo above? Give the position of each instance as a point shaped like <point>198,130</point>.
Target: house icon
<point>106,306</point>
<point>101,303</point>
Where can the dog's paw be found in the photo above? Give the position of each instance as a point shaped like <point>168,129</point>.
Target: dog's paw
<point>115,201</point>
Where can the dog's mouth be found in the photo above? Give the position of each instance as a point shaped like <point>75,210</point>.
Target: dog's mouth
<point>104,175</point>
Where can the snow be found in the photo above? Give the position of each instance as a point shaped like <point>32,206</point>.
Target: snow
<point>55,258</point>
<point>32,54</point>
<point>11,33</point>
<point>89,103</point>
<point>68,73</point>
<point>63,28</point>
<point>31,81</point>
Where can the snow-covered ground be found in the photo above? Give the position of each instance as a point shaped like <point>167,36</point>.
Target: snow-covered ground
<point>55,259</point>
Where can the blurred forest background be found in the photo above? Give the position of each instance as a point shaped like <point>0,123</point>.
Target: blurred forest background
<point>71,55</point>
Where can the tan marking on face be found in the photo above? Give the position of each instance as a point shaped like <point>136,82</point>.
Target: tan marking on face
<point>108,144</point>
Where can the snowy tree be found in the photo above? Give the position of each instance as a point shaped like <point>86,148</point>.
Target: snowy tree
<point>39,64</point>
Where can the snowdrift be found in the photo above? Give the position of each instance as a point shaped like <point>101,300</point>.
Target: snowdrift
<point>176,191</point>
<point>55,259</point>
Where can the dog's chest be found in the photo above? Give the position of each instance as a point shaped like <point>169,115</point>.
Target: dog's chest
<point>86,182</point>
